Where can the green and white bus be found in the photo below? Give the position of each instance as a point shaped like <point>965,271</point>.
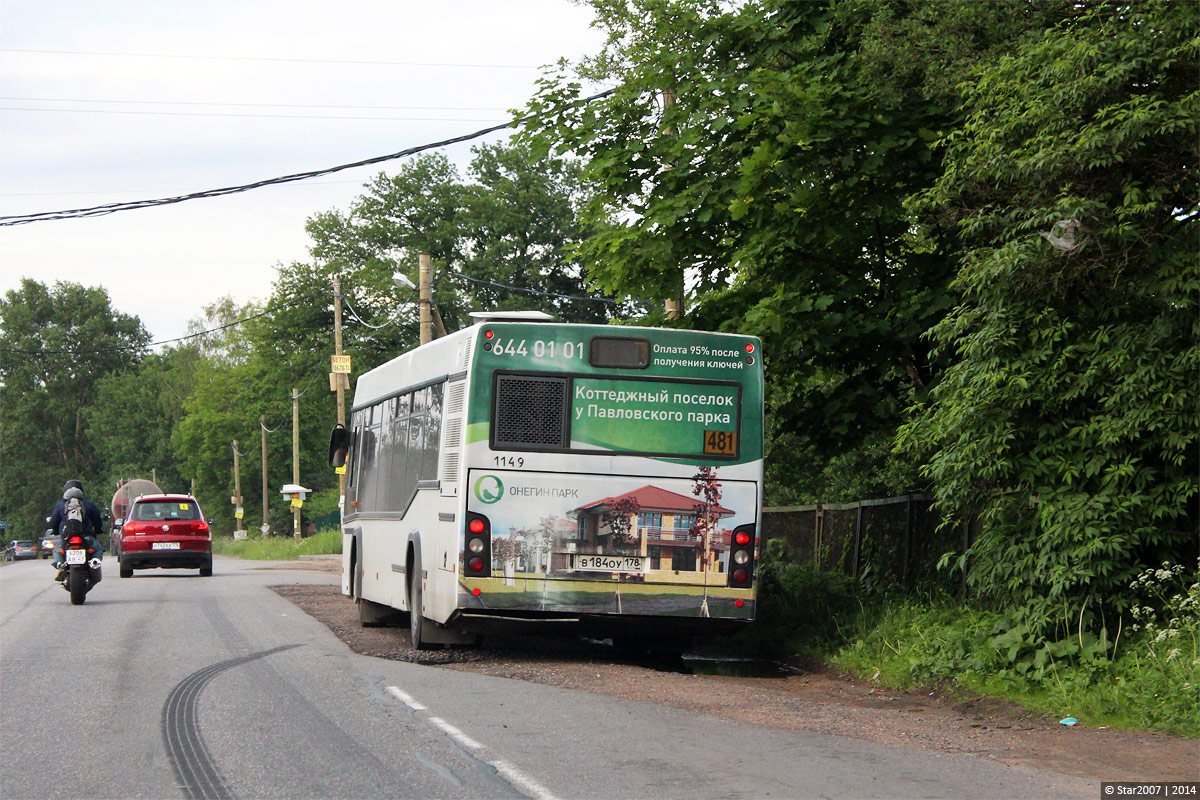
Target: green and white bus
<point>522,470</point>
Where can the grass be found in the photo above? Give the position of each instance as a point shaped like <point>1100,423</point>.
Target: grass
<point>1143,682</point>
<point>280,548</point>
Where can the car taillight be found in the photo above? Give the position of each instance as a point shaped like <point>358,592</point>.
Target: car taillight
<point>478,557</point>
<point>200,527</point>
<point>741,557</point>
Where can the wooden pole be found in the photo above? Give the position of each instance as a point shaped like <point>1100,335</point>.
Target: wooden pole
<point>296,457</point>
<point>237,487</point>
<point>424,286</point>
<point>671,305</point>
<point>340,378</point>
<point>266,508</point>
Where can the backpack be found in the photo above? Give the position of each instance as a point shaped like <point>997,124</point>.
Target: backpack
<point>75,510</point>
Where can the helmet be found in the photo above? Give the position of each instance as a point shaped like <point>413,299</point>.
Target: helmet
<point>74,491</point>
<point>73,483</point>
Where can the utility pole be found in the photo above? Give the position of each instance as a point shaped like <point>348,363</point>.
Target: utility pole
<point>237,491</point>
<point>339,379</point>
<point>295,458</point>
<point>262,424</point>
<point>424,286</point>
<point>671,305</point>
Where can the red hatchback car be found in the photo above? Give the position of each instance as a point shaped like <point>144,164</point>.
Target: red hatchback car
<point>165,530</point>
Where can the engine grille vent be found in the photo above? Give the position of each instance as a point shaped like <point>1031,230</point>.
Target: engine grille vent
<point>455,393</point>
<point>530,412</point>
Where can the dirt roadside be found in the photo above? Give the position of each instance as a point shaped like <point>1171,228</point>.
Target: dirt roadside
<point>818,701</point>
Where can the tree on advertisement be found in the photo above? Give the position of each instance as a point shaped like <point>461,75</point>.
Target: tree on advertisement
<point>706,486</point>
<point>619,519</point>
<point>505,551</point>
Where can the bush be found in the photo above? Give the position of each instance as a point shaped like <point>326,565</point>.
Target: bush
<point>802,611</point>
<point>1143,677</point>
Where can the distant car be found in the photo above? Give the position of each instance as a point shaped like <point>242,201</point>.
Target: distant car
<point>165,531</point>
<point>20,550</point>
<point>49,541</point>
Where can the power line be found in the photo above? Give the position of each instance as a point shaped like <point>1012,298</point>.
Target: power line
<point>249,105</point>
<point>242,116</point>
<point>112,208</point>
<point>486,282</point>
<point>271,310</point>
<point>134,191</point>
<point>267,60</point>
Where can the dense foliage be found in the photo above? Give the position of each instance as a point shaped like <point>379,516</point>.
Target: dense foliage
<point>1067,417</point>
<point>772,184</point>
<point>57,343</point>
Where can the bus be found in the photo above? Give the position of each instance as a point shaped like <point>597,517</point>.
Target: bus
<point>524,471</point>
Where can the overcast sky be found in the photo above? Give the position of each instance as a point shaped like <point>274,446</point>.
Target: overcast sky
<point>138,99</point>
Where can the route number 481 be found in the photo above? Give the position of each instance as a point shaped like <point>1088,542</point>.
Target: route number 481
<point>720,443</point>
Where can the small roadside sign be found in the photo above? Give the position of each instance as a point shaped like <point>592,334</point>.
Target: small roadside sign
<point>340,364</point>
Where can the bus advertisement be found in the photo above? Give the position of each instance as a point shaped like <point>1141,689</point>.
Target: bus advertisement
<point>522,469</point>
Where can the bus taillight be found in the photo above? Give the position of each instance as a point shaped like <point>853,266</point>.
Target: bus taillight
<point>741,556</point>
<point>477,560</point>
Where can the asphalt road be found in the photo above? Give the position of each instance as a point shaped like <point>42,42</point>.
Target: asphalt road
<point>169,685</point>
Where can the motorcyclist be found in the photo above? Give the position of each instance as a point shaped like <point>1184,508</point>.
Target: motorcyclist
<point>90,527</point>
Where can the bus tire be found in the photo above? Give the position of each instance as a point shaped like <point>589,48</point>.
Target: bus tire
<point>416,620</point>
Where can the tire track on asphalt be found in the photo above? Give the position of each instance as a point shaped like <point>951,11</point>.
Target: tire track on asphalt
<point>194,767</point>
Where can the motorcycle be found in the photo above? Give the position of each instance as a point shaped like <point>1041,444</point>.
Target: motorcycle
<point>77,560</point>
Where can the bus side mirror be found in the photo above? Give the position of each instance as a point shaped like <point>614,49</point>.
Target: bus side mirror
<point>339,445</point>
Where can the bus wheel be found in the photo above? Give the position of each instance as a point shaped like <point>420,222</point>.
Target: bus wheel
<point>416,620</point>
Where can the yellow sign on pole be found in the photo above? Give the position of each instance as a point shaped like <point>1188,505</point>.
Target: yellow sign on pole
<point>340,364</point>
<point>340,470</point>
<point>297,503</point>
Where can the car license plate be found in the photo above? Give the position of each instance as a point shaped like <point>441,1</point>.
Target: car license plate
<point>610,563</point>
<point>76,556</point>
<point>164,546</point>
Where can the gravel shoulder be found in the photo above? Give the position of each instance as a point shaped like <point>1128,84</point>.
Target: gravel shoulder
<point>816,701</point>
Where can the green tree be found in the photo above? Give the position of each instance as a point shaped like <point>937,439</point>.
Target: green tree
<point>56,345</point>
<point>134,416</point>
<point>248,376</point>
<point>775,186</point>
<point>1067,418</point>
<point>500,241</point>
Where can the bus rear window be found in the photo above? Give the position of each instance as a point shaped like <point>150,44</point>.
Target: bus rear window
<point>621,352</point>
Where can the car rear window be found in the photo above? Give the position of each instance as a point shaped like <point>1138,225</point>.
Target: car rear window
<point>166,510</point>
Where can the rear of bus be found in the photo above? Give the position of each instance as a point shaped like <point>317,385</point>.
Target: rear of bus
<point>613,475</point>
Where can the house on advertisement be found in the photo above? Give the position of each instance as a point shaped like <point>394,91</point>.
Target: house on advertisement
<point>661,526</point>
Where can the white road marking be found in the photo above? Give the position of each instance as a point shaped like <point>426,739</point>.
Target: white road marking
<point>455,734</point>
<point>522,781</point>
<point>405,698</point>
<point>514,776</point>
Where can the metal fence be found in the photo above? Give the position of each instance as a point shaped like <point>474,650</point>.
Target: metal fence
<point>896,540</point>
